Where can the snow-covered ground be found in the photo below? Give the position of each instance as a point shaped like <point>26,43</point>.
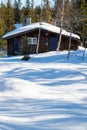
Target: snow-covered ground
<point>48,92</point>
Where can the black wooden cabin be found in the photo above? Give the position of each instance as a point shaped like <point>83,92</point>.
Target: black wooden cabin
<point>48,40</point>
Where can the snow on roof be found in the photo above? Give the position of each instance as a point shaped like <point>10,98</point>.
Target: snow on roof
<point>18,25</point>
<point>41,25</point>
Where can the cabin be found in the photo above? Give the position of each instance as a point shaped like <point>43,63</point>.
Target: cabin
<point>48,38</point>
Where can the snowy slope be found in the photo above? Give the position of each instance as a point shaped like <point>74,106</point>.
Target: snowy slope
<point>46,92</point>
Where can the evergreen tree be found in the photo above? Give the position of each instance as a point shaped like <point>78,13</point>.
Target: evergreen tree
<point>76,13</point>
<point>16,12</point>
<point>22,16</point>
<point>57,9</point>
<point>37,14</point>
<point>27,3</point>
<point>32,4</point>
<point>47,13</point>
<point>79,10</point>
<point>29,10</point>
<point>67,15</point>
<point>32,11</point>
<point>72,12</point>
<point>2,24</point>
<point>19,4</point>
<point>9,19</point>
<point>84,16</point>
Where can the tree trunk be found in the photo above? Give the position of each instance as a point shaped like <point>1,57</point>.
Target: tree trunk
<point>37,49</point>
<point>61,25</point>
<point>70,40</point>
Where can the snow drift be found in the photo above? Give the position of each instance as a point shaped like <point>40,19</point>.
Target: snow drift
<point>46,92</point>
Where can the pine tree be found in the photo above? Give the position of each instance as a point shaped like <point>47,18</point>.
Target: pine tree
<point>19,4</point>
<point>16,12</point>
<point>37,14</point>
<point>67,15</point>
<point>2,24</point>
<point>28,10</point>
<point>57,9</point>
<point>47,13</point>
<point>32,11</point>
<point>9,20</point>
<point>27,3</point>
<point>32,4</point>
<point>76,13</point>
<point>22,16</point>
<point>79,17</point>
<point>84,17</point>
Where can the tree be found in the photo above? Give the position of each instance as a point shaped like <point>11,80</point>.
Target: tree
<point>57,9</point>
<point>1,32</point>
<point>29,10</point>
<point>84,18</point>
<point>26,52</point>
<point>32,4</point>
<point>19,4</point>
<point>27,3</point>
<point>2,24</point>
<point>61,26</point>
<point>9,19</point>
<point>76,14</point>
<point>16,12</point>
<point>37,14</point>
<point>46,11</point>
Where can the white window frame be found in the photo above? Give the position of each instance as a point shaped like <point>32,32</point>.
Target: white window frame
<point>32,40</point>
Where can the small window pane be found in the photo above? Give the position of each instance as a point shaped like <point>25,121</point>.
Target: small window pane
<point>29,41</point>
<point>34,40</point>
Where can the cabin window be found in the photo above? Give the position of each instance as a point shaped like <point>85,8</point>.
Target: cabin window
<point>32,40</point>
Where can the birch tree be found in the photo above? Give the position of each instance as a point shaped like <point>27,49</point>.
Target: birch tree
<point>61,26</point>
<point>37,48</point>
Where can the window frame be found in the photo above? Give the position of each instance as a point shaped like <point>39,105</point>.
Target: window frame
<point>32,40</point>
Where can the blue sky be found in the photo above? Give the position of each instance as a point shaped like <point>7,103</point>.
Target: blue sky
<point>37,2</point>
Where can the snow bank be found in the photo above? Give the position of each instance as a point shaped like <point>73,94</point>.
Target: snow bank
<point>46,92</point>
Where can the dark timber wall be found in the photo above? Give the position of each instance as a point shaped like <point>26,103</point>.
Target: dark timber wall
<point>48,42</point>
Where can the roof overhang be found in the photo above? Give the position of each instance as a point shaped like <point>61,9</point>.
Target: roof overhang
<point>36,26</point>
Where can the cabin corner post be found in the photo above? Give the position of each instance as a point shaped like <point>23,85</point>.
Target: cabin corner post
<point>7,47</point>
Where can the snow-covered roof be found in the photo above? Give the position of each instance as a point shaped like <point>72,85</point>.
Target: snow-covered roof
<point>42,25</point>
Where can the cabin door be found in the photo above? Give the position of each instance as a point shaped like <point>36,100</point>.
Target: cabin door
<point>16,45</point>
<point>53,43</point>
